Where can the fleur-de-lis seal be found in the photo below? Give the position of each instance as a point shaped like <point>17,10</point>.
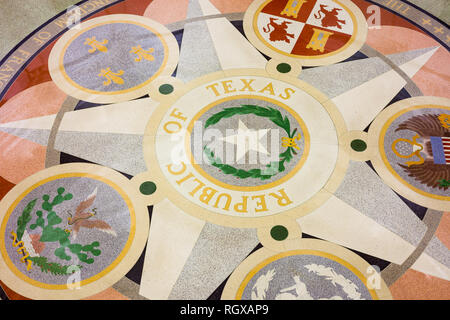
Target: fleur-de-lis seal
<point>96,45</point>
<point>142,53</point>
<point>111,76</point>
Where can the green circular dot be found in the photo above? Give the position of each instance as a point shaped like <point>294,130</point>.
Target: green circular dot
<point>166,88</point>
<point>283,68</point>
<point>147,188</point>
<point>279,233</point>
<point>358,145</point>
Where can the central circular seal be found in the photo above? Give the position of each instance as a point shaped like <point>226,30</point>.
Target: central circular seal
<point>248,143</point>
<point>239,148</point>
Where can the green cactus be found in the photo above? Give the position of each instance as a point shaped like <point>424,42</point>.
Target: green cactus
<point>50,233</point>
<point>23,220</point>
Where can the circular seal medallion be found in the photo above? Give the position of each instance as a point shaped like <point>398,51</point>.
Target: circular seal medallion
<point>264,142</point>
<point>112,58</point>
<point>413,139</point>
<point>307,270</point>
<point>70,231</point>
<point>313,32</point>
<point>239,148</point>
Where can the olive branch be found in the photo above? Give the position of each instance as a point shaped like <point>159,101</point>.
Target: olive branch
<point>271,169</point>
<point>444,183</point>
<point>52,267</point>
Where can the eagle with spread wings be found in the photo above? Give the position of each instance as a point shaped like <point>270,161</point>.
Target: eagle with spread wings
<point>83,218</point>
<point>428,127</point>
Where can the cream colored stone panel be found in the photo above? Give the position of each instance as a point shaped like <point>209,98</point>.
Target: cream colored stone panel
<point>338,222</point>
<point>172,237</point>
<point>127,118</point>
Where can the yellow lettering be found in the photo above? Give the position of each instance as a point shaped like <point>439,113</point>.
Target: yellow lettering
<point>3,77</point>
<point>241,207</point>
<point>183,168</point>
<point>82,11</point>
<point>207,195</point>
<point>399,6</point>
<point>24,53</point>
<point>214,89</point>
<point>16,60</point>
<point>166,127</point>
<point>62,23</point>
<point>176,114</point>
<point>198,187</point>
<point>99,3</point>
<point>190,175</point>
<point>282,199</point>
<point>227,204</point>
<point>227,86</point>
<point>85,6</point>
<point>268,88</point>
<point>7,68</point>
<point>261,204</point>
<point>247,84</point>
<point>44,35</point>
<point>38,41</point>
<point>287,93</point>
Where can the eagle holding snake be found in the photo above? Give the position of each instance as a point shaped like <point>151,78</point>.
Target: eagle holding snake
<point>431,145</point>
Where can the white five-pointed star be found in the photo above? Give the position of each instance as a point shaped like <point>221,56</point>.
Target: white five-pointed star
<point>246,140</point>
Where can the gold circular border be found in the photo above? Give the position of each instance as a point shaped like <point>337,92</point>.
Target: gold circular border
<point>73,83</point>
<point>355,43</point>
<point>384,169</point>
<point>156,175</point>
<point>251,265</point>
<point>272,184</point>
<point>301,57</point>
<point>66,84</point>
<point>139,223</point>
<point>53,178</point>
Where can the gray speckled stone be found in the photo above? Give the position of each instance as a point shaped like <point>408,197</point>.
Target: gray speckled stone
<point>218,251</point>
<point>39,136</point>
<point>336,79</point>
<point>383,205</point>
<point>197,53</point>
<point>403,57</point>
<point>437,250</point>
<point>347,75</point>
<point>122,152</point>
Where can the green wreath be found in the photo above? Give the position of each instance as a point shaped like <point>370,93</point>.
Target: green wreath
<point>271,169</point>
